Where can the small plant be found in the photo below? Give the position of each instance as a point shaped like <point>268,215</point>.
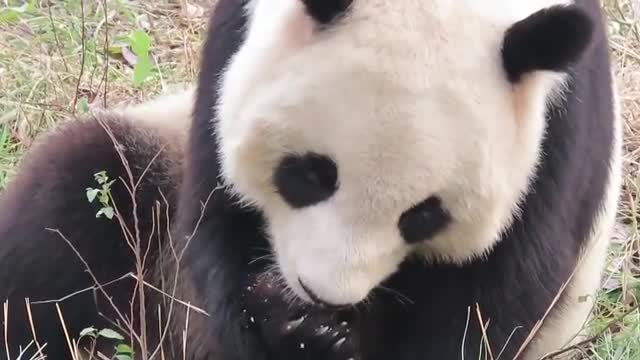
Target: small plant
<point>103,194</point>
<point>135,49</point>
<point>123,350</point>
<point>83,105</point>
<point>140,43</point>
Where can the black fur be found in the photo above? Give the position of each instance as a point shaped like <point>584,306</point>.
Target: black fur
<point>306,180</point>
<point>513,286</point>
<point>551,39</point>
<point>224,229</point>
<point>326,11</point>
<point>424,220</point>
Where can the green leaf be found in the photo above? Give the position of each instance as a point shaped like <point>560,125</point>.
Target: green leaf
<point>110,334</point>
<point>90,331</point>
<point>92,193</point>
<point>100,177</point>
<point>83,105</point>
<point>104,198</point>
<point>115,50</point>
<point>108,212</point>
<point>142,70</point>
<point>140,43</point>
<point>32,7</point>
<point>9,16</point>
<point>124,349</point>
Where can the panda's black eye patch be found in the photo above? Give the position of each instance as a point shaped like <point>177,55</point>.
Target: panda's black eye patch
<point>325,11</point>
<point>305,180</point>
<point>423,220</point>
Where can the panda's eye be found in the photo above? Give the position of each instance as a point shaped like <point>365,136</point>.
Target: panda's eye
<point>423,220</point>
<point>304,180</point>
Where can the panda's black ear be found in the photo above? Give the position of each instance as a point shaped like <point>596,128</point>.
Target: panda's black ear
<point>326,11</point>
<point>550,39</point>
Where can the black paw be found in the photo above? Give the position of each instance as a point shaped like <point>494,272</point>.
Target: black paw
<point>297,331</point>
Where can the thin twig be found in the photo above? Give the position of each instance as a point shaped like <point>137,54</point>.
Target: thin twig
<point>95,280</point>
<point>66,333</point>
<point>91,288</point>
<point>33,328</point>
<point>6,328</point>
<point>137,239</point>
<point>485,337</point>
<point>466,329</point>
<point>55,37</point>
<point>82,59</point>
<point>504,347</point>
<point>106,54</point>
<point>538,325</point>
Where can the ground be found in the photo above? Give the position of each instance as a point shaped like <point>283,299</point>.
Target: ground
<point>54,63</point>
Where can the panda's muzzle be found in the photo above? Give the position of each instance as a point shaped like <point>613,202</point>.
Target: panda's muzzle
<point>316,299</point>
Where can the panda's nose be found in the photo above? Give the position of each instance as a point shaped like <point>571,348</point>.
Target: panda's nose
<point>316,299</point>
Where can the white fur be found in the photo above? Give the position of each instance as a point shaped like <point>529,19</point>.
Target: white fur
<point>169,112</point>
<point>407,105</point>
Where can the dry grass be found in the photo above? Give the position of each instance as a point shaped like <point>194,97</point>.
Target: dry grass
<point>49,70</point>
<point>45,60</point>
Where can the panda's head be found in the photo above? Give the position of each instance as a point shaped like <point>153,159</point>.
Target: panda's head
<point>368,130</point>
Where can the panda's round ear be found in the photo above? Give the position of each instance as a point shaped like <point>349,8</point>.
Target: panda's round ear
<point>326,11</point>
<point>548,40</point>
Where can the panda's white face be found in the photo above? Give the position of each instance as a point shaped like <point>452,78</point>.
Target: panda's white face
<point>393,132</point>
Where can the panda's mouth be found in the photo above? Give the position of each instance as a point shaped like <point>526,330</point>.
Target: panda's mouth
<point>317,300</point>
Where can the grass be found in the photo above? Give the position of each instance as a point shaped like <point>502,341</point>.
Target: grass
<point>8,154</point>
<point>48,54</point>
<point>63,57</point>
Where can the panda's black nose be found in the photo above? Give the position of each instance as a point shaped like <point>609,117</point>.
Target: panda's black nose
<point>316,299</point>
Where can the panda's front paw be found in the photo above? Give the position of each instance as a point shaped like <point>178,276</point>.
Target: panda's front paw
<point>297,332</point>
<point>313,336</point>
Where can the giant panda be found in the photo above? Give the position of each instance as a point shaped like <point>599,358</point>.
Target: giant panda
<point>368,180</point>
<point>421,165</point>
